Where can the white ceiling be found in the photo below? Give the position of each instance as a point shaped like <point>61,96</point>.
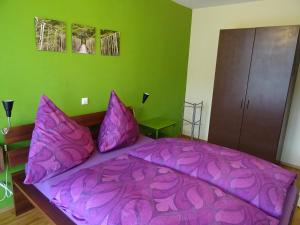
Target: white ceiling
<point>207,3</point>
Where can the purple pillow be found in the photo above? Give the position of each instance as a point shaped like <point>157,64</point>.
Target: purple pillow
<point>58,143</point>
<point>119,127</point>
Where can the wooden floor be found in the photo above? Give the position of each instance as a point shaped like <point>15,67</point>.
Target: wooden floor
<point>34,217</point>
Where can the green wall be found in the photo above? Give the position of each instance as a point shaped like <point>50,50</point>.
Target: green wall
<point>154,55</point>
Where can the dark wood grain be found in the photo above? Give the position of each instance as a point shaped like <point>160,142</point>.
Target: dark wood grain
<point>17,156</point>
<point>256,123</point>
<point>21,203</point>
<point>230,86</point>
<point>27,196</point>
<point>20,133</point>
<point>268,88</point>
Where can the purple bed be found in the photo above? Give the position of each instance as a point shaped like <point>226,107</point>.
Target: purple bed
<point>174,181</point>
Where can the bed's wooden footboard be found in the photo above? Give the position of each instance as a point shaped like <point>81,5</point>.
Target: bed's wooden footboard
<point>26,197</point>
<point>21,202</point>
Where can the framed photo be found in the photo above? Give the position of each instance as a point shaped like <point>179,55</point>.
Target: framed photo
<point>83,39</point>
<point>50,35</point>
<point>110,43</point>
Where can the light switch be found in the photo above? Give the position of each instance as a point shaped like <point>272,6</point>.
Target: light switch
<point>84,101</point>
<point>299,201</point>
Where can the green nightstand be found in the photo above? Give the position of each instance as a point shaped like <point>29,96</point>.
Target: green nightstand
<point>157,124</point>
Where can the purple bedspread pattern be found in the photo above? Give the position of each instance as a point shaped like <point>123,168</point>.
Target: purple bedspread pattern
<point>259,182</point>
<point>58,143</point>
<point>131,191</point>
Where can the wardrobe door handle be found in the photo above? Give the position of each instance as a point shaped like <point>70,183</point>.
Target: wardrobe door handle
<point>242,103</point>
<point>248,103</point>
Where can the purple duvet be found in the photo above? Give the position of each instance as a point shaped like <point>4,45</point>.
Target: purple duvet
<point>131,191</point>
<point>256,181</point>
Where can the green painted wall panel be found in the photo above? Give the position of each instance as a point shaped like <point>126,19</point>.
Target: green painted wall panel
<point>154,55</point>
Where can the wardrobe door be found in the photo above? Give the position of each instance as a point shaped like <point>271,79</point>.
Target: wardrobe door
<point>232,71</point>
<point>268,87</point>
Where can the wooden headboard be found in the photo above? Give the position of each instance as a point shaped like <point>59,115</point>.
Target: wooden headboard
<point>18,156</point>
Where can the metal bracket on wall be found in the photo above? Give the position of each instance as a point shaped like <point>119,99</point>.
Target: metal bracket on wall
<point>194,122</point>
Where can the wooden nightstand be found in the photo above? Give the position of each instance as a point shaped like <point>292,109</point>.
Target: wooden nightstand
<point>157,124</point>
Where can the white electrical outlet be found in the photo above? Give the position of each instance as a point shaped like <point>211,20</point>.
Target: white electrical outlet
<point>84,101</point>
<point>299,201</point>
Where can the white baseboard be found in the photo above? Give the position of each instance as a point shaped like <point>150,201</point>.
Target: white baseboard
<point>290,165</point>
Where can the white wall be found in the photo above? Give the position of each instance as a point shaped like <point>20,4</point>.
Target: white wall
<point>206,24</point>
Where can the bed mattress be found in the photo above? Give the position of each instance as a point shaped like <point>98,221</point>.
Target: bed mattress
<point>47,186</point>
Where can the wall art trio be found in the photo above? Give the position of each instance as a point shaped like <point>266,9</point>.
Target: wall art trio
<point>50,35</point>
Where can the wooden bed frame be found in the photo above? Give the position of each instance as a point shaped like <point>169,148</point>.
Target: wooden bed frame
<point>26,197</point>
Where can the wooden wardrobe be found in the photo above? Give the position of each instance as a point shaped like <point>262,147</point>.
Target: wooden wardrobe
<point>255,75</point>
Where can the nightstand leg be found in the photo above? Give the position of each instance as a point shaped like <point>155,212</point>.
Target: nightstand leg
<point>156,134</point>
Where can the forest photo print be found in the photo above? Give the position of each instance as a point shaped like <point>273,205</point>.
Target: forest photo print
<point>110,43</point>
<point>50,35</point>
<point>83,39</point>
